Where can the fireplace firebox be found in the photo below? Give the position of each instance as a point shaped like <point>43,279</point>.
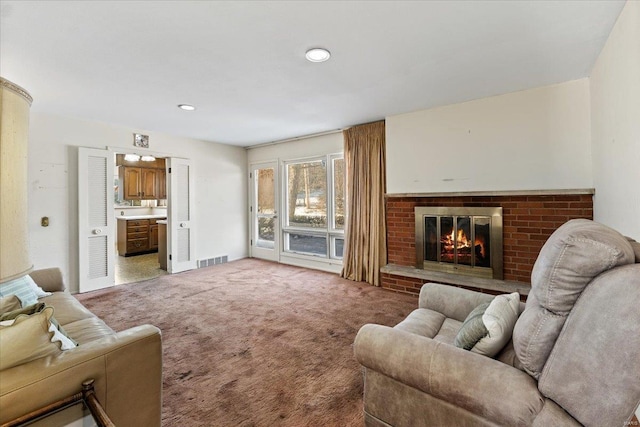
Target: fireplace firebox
<point>460,240</point>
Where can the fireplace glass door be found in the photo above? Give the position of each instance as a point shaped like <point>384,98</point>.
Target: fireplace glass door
<point>459,240</point>
<point>463,240</point>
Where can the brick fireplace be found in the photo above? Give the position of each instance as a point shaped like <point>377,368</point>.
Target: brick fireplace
<point>528,217</point>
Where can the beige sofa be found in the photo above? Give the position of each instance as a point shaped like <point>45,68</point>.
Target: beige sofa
<point>574,358</point>
<point>126,366</point>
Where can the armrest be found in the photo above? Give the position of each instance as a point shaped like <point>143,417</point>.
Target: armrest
<point>127,369</point>
<point>451,301</point>
<point>476,383</point>
<point>49,279</point>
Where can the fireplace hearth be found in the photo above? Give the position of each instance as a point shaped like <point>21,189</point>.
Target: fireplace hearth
<point>461,240</point>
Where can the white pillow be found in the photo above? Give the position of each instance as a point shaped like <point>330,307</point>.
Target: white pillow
<point>65,342</point>
<point>499,319</point>
<point>22,289</point>
<point>36,289</point>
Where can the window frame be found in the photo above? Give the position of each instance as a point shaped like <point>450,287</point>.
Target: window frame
<point>330,233</point>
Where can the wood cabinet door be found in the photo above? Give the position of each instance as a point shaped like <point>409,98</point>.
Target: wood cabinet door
<point>153,237</point>
<point>149,184</point>
<point>132,177</point>
<point>161,184</point>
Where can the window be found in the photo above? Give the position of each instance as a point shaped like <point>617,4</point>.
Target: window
<point>315,207</point>
<point>265,207</point>
<point>117,201</point>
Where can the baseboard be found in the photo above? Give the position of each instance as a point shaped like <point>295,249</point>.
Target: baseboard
<point>323,265</point>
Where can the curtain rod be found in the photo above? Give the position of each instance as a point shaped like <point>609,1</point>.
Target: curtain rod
<point>297,138</point>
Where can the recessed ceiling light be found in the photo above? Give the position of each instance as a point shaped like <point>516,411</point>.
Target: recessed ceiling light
<point>186,107</point>
<point>318,54</point>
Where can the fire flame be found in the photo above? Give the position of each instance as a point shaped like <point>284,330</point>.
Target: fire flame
<point>460,241</point>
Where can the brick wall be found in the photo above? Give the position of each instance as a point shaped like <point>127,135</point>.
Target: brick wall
<point>411,285</point>
<point>528,221</point>
<point>396,283</point>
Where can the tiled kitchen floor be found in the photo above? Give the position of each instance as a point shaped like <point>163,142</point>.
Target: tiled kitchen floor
<point>137,268</point>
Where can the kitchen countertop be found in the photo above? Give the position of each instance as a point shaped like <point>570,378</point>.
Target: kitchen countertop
<point>162,221</point>
<point>141,217</point>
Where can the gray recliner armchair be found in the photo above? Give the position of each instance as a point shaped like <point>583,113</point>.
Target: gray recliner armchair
<point>574,358</point>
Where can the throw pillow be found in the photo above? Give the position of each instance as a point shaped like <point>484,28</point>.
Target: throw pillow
<point>28,311</point>
<point>496,318</point>
<point>59,334</point>
<point>26,340</point>
<point>499,318</point>
<point>22,289</point>
<point>473,329</point>
<point>9,303</point>
<point>40,293</point>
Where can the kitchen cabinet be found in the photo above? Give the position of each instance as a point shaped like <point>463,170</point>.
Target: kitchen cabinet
<point>162,244</point>
<point>129,187</point>
<point>138,183</point>
<point>149,183</point>
<point>137,236</point>
<point>153,234</point>
<point>133,236</point>
<point>161,185</point>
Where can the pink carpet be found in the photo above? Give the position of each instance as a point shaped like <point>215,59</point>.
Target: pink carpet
<point>255,343</point>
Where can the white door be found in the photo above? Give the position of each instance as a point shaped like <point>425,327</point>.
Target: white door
<point>180,225</point>
<point>96,231</point>
<point>265,230</point>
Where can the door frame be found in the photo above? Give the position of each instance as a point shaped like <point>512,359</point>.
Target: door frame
<point>113,150</point>
<point>254,250</point>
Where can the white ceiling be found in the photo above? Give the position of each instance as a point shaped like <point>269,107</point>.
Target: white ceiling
<point>242,63</point>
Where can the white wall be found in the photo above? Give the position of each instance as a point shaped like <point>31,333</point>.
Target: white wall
<point>615,125</point>
<point>306,147</point>
<point>530,140</point>
<point>219,188</point>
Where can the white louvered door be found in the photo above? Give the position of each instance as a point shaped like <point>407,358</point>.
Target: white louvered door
<point>180,224</point>
<point>96,231</point>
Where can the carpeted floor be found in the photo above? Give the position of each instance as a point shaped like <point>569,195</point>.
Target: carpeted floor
<point>255,343</point>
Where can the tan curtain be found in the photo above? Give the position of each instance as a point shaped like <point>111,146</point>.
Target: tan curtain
<point>366,232</point>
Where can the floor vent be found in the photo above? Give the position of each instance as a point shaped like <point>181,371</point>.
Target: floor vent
<point>212,261</point>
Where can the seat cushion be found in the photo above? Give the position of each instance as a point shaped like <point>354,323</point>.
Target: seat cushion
<point>431,324</point>
<point>448,331</point>
<point>78,322</point>
<point>67,308</point>
<point>422,321</point>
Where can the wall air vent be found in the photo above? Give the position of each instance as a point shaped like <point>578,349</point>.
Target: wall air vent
<point>213,261</point>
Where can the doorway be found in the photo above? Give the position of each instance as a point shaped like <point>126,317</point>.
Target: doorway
<point>265,228</point>
<point>140,201</point>
<point>97,218</point>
